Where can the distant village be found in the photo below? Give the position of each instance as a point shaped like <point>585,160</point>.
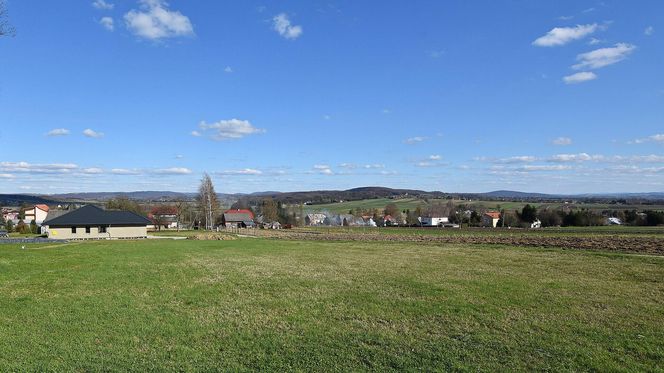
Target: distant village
<point>122,218</point>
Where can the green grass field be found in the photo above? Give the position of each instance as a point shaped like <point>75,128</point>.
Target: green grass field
<point>366,204</point>
<point>256,304</point>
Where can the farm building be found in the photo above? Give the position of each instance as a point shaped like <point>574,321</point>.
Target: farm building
<point>37,213</point>
<point>91,222</point>
<point>238,218</point>
<point>490,219</point>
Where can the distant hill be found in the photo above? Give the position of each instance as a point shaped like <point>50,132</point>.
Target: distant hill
<point>316,197</point>
<point>141,195</point>
<point>18,199</point>
<point>329,196</point>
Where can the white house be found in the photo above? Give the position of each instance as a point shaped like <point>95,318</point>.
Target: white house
<point>37,213</point>
<point>490,219</point>
<point>428,221</point>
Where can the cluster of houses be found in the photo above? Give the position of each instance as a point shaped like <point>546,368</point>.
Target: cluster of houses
<point>91,222</point>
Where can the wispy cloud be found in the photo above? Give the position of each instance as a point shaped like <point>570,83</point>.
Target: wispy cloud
<point>414,140</point>
<point>103,5</point>
<point>323,169</point>
<point>580,157</point>
<point>562,141</point>
<point>282,25</point>
<point>658,138</point>
<point>604,56</point>
<point>228,69</point>
<point>435,157</point>
<point>155,21</point>
<point>584,76</point>
<point>172,171</point>
<point>125,171</point>
<point>245,171</point>
<point>37,168</point>
<point>227,129</point>
<point>92,133</point>
<point>563,35</point>
<point>107,23</point>
<point>649,31</point>
<point>58,132</point>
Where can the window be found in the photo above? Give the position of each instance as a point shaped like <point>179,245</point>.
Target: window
<point>73,230</point>
<point>102,229</point>
<point>87,229</point>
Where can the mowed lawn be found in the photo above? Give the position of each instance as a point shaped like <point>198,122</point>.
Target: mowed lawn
<point>256,304</point>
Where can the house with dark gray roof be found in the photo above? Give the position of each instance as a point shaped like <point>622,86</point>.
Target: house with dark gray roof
<point>92,222</point>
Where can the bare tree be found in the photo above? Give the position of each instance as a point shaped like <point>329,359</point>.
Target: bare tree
<point>208,201</point>
<point>6,29</point>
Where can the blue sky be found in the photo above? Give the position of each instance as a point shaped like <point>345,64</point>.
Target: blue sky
<point>457,96</point>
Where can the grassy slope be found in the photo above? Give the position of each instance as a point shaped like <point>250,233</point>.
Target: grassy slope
<point>268,305</point>
<point>378,203</point>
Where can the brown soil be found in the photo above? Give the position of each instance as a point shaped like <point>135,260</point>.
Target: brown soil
<point>616,243</point>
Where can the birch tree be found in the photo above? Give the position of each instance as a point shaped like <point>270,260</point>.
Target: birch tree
<point>208,201</point>
<point>6,28</point>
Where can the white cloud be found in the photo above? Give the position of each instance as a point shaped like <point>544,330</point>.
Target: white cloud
<point>584,76</point>
<point>545,168</point>
<point>580,157</point>
<point>649,31</point>
<point>228,129</point>
<point>435,157</point>
<point>327,117</point>
<point>228,69</point>
<point>172,171</point>
<point>92,171</point>
<point>516,159</point>
<point>562,141</point>
<point>282,24</point>
<point>654,138</point>
<point>246,171</point>
<point>155,21</point>
<point>603,56</point>
<point>414,140</point>
<point>107,22</point>
<point>124,171</point>
<point>6,176</point>
<point>103,5</point>
<point>563,35</point>
<point>92,133</point>
<point>323,169</point>
<point>34,168</point>
<point>594,41</point>
<point>196,134</point>
<point>58,132</point>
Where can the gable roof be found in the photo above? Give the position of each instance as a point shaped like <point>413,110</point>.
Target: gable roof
<point>239,211</point>
<point>93,215</point>
<point>234,216</point>
<point>493,214</point>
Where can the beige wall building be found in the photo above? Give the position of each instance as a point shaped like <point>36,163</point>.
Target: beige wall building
<point>92,223</point>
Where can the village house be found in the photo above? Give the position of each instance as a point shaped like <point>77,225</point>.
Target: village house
<point>238,218</point>
<point>435,221</point>
<point>92,222</point>
<point>11,215</point>
<point>163,217</point>
<point>314,219</point>
<point>37,213</point>
<point>490,219</point>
